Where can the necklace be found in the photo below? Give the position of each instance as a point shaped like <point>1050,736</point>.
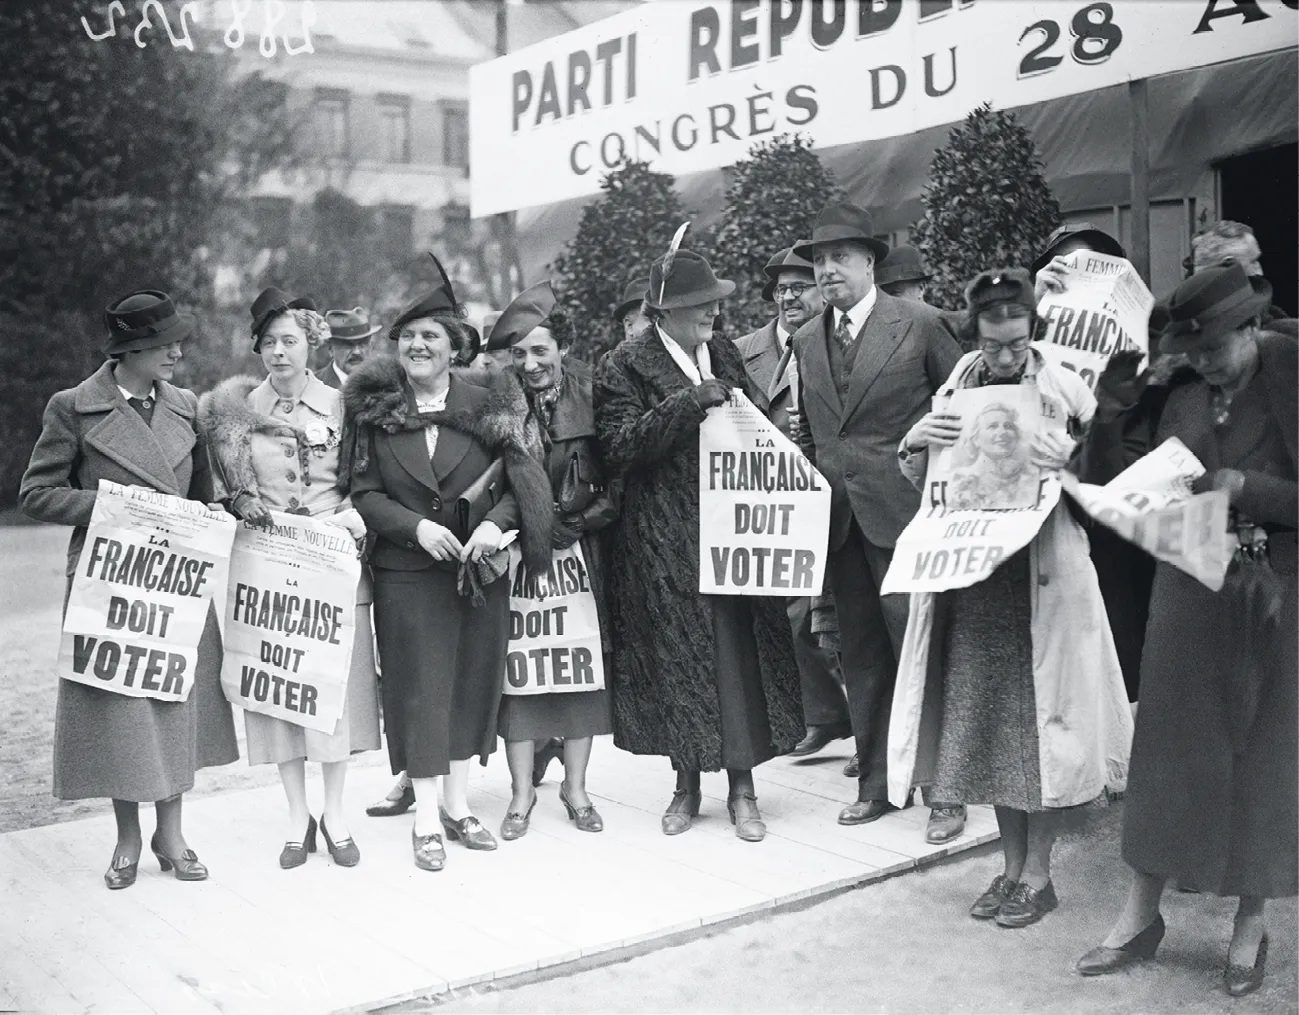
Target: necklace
<point>1221,405</point>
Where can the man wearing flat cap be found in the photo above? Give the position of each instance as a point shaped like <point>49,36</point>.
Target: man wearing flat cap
<point>769,362</point>
<point>349,344</point>
<point>868,367</point>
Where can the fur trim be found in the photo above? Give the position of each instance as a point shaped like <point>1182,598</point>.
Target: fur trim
<point>229,422</point>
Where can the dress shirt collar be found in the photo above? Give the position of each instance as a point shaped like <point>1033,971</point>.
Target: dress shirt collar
<point>859,313</point>
<point>317,396</point>
<point>342,377</point>
<point>152,396</point>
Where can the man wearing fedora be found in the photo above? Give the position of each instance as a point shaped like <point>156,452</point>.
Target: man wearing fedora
<point>769,362</point>
<point>903,274</point>
<point>349,344</point>
<point>628,317</point>
<point>868,367</point>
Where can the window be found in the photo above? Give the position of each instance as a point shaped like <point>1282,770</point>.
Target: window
<point>455,137</point>
<point>331,123</point>
<point>394,120</point>
<point>396,227</point>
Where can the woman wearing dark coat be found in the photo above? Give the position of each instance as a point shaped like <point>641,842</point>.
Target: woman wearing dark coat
<point>422,478</point>
<point>1211,797</point>
<point>126,423</point>
<point>709,681</point>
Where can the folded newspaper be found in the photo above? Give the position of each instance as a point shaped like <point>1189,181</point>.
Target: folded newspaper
<point>1150,504</point>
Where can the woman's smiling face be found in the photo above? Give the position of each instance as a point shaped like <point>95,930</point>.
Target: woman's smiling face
<point>998,434</point>
<point>424,349</point>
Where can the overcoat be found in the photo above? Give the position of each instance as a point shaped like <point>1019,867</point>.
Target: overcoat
<point>107,744</point>
<point>762,355</point>
<point>665,692</point>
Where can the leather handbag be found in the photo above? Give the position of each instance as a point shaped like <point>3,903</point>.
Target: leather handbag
<point>481,496</point>
<point>580,485</point>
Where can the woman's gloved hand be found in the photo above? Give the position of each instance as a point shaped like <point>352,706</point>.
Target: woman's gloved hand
<point>710,393</point>
<point>252,509</point>
<point>566,530</point>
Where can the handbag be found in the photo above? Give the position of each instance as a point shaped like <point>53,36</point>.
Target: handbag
<point>580,485</point>
<point>483,494</point>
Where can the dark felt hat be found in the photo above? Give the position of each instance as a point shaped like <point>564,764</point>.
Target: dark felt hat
<point>144,319</point>
<point>842,221</point>
<point>525,312</point>
<point>350,325</point>
<point>1211,303</point>
<point>442,300</point>
<point>784,260</point>
<point>903,264</point>
<point>689,281</point>
<point>1097,239</point>
<point>271,302</point>
<point>1000,285</point>
<point>632,296</point>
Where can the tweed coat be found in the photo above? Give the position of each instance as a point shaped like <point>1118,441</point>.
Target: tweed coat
<point>665,692</point>
<point>107,744</point>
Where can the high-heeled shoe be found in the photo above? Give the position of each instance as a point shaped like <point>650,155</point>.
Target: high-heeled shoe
<point>750,829</point>
<point>1103,960</point>
<point>541,759</point>
<point>586,818</point>
<point>429,854</point>
<point>1242,980</point>
<point>187,865</point>
<point>468,830</point>
<point>344,851</point>
<point>684,806</point>
<point>121,872</point>
<point>515,825</point>
<point>294,854</point>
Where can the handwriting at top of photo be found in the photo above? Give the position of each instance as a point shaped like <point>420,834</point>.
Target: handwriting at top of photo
<point>274,14</point>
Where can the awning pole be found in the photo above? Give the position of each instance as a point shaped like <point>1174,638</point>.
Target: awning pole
<point>1139,114</point>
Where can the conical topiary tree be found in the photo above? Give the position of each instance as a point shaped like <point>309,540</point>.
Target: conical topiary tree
<point>773,199</point>
<point>618,237</point>
<point>987,204</point>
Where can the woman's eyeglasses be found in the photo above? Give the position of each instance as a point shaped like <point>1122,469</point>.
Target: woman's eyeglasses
<point>991,347</point>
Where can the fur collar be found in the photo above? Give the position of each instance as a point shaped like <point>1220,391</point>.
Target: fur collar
<point>229,422</point>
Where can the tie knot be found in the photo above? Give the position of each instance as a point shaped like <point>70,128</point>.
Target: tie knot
<point>843,333</point>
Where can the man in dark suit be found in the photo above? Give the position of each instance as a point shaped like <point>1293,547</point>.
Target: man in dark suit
<point>902,274</point>
<point>868,367</point>
<point>769,362</point>
<point>349,344</point>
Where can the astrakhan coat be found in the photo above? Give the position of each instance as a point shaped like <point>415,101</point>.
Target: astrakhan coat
<point>107,744</point>
<point>665,694</point>
<point>1084,722</point>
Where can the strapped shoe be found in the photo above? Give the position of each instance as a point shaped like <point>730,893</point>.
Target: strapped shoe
<point>344,851</point>
<point>684,806</point>
<point>468,830</point>
<point>750,828</point>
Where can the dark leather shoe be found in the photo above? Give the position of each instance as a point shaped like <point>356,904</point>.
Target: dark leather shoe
<point>864,811</point>
<point>852,770</point>
<point>429,854</point>
<point>1242,980</point>
<point>468,830</point>
<point>1026,905</point>
<point>541,759</point>
<point>188,867</point>
<point>515,825</point>
<point>294,854</point>
<point>818,737</point>
<point>386,808</point>
<point>1102,960</point>
<point>587,819</point>
<point>946,822</point>
<point>684,806</point>
<point>986,905</point>
<point>121,873</point>
<point>344,851</point>
<point>749,825</point>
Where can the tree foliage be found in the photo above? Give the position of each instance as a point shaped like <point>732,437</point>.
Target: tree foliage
<point>773,199</point>
<point>987,204</point>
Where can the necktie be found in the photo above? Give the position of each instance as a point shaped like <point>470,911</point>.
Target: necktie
<point>843,335</point>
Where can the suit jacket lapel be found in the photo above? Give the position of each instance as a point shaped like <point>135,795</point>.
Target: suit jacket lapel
<point>814,364</point>
<point>780,379</point>
<point>877,343</point>
<point>452,445</point>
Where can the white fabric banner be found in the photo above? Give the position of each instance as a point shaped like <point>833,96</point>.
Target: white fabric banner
<point>764,510</point>
<point>554,627</point>
<point>983,500</point>
<point>142,591</point>
<point>290,619</point>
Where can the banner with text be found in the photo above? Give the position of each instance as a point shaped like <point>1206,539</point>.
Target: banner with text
<point>983,500</point>
<point>1105,310</point>
<point>692,86</point>
<point>1150,504</point>
<point>142,591</point>
<point>290,619</point>
<point>554,627</point>
<point>764,510</point>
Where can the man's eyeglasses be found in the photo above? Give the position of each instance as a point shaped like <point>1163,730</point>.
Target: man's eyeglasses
<point>993,348</point>
<point>796,290</point>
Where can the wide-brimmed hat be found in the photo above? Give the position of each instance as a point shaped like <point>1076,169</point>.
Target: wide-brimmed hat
<point>144,319</point>
<point>784,260</point>
<point>525,312</point>
<point>902,264</point>
<point>632,296</point>
<point>271,302</point>
<point>350,325</point>
<point>1000,285</point>
<point>1211,303</point>
<point>489,325</point>
<point>842,221</point>
<point>689,281</point>
<point>1098,239</point>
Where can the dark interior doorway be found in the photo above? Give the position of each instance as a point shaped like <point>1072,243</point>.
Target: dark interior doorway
<point>1261,189</point>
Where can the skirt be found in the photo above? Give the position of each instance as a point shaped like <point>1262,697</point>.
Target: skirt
<point>571,716</point>
<point>443,663</point>
<point>987,744</point>
<point>272,741</point>
<point>142,749</point>
<point>746,729</point>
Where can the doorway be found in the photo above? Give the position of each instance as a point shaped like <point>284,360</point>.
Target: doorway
<point>1259,189</point>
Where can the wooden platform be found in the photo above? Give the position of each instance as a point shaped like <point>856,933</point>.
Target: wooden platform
<point>255,938</point>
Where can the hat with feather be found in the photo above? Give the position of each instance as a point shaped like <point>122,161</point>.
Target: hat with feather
<point>681,278</point>
<point>442,300</point>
